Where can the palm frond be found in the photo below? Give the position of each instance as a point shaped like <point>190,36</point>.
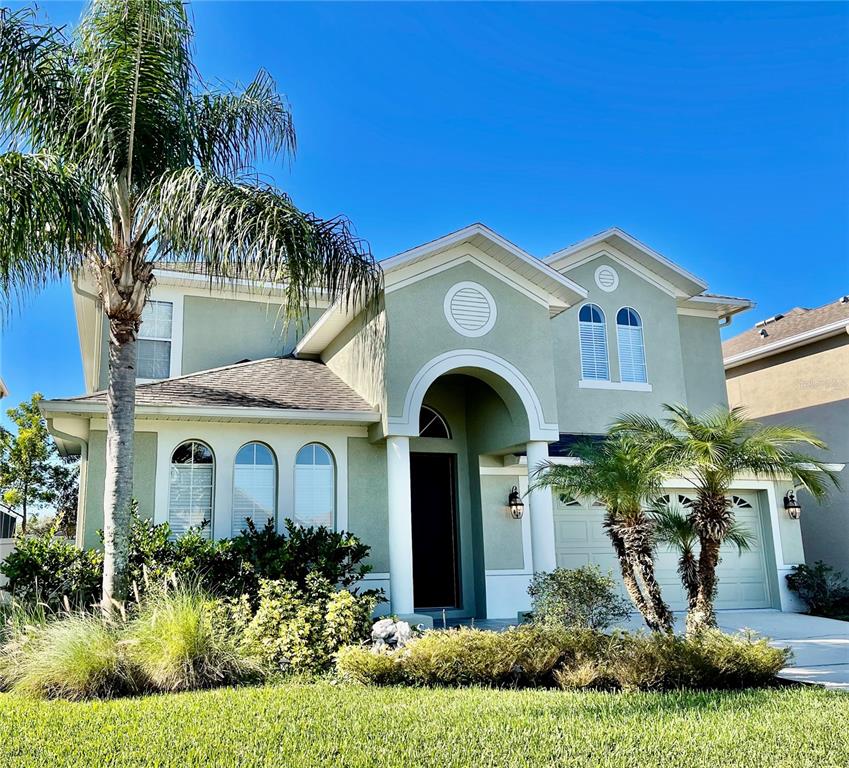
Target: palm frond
<point>674,528</point>
<point>240,230</point>
<point>234,129</point>
<point>51,218</point>
<point>740,536</point>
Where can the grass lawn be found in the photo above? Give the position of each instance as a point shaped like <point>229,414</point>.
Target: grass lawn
<point>324,725</point>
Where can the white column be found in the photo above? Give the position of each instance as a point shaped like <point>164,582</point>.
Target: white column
<point>541,512</point>
<point>400,525</point>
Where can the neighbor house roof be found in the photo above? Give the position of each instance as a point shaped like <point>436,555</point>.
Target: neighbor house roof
<point>795,328</point>
<point>276,388</point>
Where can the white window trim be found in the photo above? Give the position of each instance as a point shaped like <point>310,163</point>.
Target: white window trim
<point>213,490</point>
<point>642,336</point>
<point>337,523</point>
<point>275,487</point>
<point>606,340</point>
<point>174,296</point>
<point>630,386</point>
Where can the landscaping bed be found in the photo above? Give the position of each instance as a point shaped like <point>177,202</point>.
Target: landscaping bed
<point>319,724</point>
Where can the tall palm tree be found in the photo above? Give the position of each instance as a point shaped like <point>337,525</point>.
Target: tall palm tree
<point>626,479</point>
<point>120,156</point>
<point>675,529</point>
<point>716,447</point>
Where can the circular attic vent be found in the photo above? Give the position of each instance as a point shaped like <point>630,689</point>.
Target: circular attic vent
<point>470,309</point>
<point>606,278</point>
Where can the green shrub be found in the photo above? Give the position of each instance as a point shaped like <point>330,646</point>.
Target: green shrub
<point>47,569</point>
<point>299,629</point>
<point>824,590</point>
<point>363,665</point>
<point>176,643</point>
<point>576,598</point>
<point>76,657</point>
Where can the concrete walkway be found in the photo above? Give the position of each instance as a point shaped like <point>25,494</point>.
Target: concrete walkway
<point>820,646</point>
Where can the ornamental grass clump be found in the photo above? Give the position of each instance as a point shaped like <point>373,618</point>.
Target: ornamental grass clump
<point>176,643</point>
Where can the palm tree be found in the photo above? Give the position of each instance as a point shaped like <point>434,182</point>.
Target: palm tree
<point>120,156</point>
<point>626,479</point>
<point>716,447</point>
<point>676,530</point>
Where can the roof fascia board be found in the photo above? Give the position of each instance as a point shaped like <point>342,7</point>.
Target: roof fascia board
<point>784,345</point>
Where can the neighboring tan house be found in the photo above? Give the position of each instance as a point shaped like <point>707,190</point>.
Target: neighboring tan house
<point>794,369</point>
<point>412,426</point>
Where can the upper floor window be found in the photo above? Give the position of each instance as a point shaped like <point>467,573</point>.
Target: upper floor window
<point>431,424</point>
<point>593,336</point>
<point>190,488</point>
<point>629,339</point>
<point>154,342</point>
<point>315,496</point>
<point>254,487</point>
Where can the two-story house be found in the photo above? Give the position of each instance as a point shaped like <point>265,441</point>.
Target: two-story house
<point>411,425</point>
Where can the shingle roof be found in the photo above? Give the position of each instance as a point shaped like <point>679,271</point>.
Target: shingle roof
<point>798,320</point>
<point>275,382</point>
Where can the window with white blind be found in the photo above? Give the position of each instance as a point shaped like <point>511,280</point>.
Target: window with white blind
<point>315,499</point>
<point>629,339</point>
<point>254,487</point>
<point>153,348</point>
<point>593,338</point>
<point>190,491</point>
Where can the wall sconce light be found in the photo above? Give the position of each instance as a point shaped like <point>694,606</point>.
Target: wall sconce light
<point>514,501</point>
<point>792,506</point>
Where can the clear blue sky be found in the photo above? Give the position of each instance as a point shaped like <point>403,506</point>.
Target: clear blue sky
<point>716,133</point>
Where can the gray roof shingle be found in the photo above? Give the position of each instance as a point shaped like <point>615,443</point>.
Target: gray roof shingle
<point>275,382</point>
<point>797,320</point>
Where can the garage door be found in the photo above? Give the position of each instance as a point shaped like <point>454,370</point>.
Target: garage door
<point>581,540</point>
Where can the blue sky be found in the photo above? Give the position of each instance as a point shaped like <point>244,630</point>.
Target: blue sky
<point>716,133</point>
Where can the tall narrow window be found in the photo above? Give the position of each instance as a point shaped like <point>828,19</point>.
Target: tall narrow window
<point>191,488</point>
<point>629,338</point>
<point>315,502</point>
<point>593,334</point>
<point>254,487</point>
<point>154,343</point>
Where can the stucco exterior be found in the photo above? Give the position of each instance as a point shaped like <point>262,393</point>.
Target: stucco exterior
<point>501,368</point>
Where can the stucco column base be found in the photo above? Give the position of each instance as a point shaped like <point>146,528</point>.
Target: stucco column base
<point>541,512</point>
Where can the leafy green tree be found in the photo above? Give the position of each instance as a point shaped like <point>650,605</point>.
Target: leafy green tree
<point>26,460</point>
<point>627,479</point>
<point>715,448</point>
<point>122,157</point>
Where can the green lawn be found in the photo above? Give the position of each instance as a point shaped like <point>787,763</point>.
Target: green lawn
<point>325,725</point>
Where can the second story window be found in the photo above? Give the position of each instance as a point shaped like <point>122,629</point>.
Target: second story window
<point>629,339</point>
<point>154,342</point>
<point>593,336</point>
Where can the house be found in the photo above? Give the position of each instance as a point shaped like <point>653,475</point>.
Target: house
<point>794,369</point>
<point>411,425</point>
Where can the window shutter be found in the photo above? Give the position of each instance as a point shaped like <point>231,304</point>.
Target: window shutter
<point>632,358</point>
<point>593,341</point>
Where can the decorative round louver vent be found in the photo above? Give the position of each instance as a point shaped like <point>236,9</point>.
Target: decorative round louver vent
<point>607,278</point>
<point>470,309</point>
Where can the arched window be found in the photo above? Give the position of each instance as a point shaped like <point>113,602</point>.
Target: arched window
<point>315,497</point>
<point>191,486</point>
<point>629,337</point>
<point>593,335</point>
<point>431,424</point>
<point>254,487</point>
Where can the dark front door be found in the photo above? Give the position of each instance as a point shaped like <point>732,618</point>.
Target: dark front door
<point>436,582</point>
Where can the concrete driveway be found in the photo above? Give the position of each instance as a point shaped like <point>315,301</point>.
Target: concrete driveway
<point>820,646</point>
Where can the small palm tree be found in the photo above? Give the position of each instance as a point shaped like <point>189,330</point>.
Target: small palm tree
<point>120,156</point>
<point>626,479</point>
<point>716,447</point>
<point>675,529</point>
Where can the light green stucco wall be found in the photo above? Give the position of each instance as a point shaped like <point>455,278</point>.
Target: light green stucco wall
<point>144,480</point>
<point>592,410</point>
<point>223,331</point>
<point>701,356</point>
<point>418,332</point>
<point>502,535</point>
<point>368,515</point>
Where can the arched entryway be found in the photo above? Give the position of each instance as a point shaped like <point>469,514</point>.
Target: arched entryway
<point>438,496</point>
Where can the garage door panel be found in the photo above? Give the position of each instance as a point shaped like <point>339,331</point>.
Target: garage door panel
<point>580,540</point>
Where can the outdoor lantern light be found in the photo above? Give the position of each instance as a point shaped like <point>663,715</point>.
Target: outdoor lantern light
<point>794,509</point>
<point>517,508</point>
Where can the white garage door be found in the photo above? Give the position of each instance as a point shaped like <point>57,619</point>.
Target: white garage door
<point>581,540</point>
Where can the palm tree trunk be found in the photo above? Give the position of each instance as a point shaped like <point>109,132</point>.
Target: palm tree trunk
<point>632,585</point>
<point>711,517</point>
<point>120,426</point>
<point>665,619</point>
